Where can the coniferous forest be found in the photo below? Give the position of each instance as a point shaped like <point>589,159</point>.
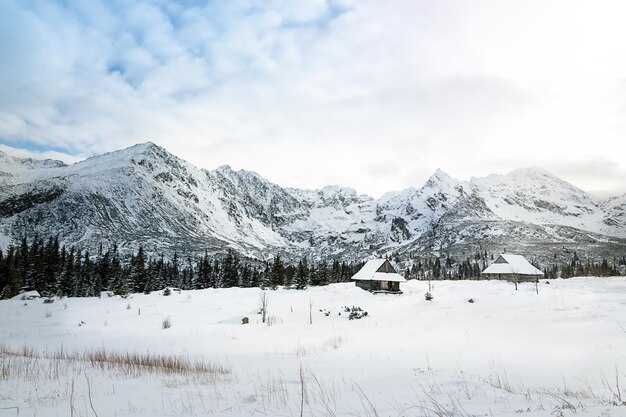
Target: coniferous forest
<point>51,269</point>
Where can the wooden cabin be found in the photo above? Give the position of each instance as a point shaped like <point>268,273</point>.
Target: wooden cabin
<point>514,268</point>
<point>378,276</point>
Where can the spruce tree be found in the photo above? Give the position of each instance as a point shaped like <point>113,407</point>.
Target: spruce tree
<point>301,279</point>
<point>138,273</point>
<point>230,276</point>
<point>277,273</point>
<point>9,275</point>
<point>119,284</point>
<point>67,286</point>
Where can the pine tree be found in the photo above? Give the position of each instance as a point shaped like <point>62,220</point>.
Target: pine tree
<point>265,276</point>
<point>230,275</point>
<point>277,273</point>
<point>23,265</point>
<point>245,276</point>
<point>118,282</point>
<point>67,285</point>
<point>138,273</point>
<point>301,279</point>
<point>214,274</point>
<point>173,277</point>
<point>335,271</point>
<point>8,274</point>
<point>319,276</point>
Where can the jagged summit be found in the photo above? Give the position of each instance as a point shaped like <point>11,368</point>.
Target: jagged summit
<point>224,168</point>
<point>439,176</point>
<point>227,170</point>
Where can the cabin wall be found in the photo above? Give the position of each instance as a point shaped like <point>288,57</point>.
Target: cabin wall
<point>513,277</point>
<point>366,285</point>
<point>378,285</point>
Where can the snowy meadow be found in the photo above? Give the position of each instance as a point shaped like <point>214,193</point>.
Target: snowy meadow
<point>478,348</point>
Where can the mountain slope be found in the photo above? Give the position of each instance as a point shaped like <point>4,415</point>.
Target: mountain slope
<point>145,195</point>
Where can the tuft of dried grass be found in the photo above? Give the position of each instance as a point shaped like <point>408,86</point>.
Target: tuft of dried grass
<point>26,362</point>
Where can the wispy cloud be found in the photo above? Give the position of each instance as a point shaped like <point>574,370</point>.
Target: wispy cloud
<point>315,92</point>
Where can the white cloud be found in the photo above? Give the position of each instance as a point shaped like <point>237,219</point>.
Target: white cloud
<point>57,156</point>
<point>325,92</point>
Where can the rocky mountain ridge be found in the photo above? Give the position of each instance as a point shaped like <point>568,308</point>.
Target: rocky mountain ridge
<point>143,195</point>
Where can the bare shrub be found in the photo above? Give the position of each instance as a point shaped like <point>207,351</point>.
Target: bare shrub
<point>355,313</point>
<point>166,323</point>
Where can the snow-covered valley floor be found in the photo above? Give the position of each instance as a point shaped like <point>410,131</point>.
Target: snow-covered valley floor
<point>559,352</point>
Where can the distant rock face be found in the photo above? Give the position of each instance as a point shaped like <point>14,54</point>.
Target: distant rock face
<point>145,195</point>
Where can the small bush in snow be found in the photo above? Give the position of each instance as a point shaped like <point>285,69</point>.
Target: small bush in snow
<point>428,296</point>
<point>166,323</point>
<point>355,313</point>
<point>471,300</point>
<point>167,292</point>
<point>48,300</point>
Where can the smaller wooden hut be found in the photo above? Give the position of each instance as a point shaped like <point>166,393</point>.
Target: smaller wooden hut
<point>378,275</point>
<point>514,268</point>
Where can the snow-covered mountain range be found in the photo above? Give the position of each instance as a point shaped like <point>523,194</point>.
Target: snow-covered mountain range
<point>145,195</point>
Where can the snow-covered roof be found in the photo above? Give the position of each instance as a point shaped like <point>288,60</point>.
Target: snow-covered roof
<point>512,264</point>
<point>27,295</point>
<point>370,272</point>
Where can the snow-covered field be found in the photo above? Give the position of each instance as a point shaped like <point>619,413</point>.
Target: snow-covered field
<point>559,352</point>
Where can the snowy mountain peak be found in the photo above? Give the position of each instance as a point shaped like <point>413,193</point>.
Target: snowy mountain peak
<point>442,183</point>
<point>333,191</point>
<point>9,162</point>
<point>532,171</point>
<point>224,168</point>
<point>143,147</point>
<point>242,174</point>
<point>439,176</point>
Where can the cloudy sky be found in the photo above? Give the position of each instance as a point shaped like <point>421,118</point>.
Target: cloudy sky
<point>370,94</point>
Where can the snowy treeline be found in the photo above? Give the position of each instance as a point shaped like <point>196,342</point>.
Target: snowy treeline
<point>52,269</point>
<point>471,267</point>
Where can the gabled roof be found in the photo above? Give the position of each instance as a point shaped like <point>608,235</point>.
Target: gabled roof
<point>512,264</point>
<point>373,271</point>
